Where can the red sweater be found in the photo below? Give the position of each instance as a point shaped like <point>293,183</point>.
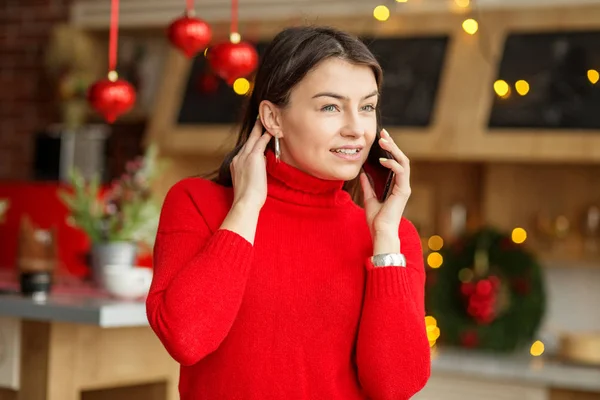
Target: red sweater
<point>298,315</point>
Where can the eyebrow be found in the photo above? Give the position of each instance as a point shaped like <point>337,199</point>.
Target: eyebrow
<point>340,97</point>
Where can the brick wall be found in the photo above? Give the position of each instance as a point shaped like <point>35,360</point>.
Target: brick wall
<point>25,101</point>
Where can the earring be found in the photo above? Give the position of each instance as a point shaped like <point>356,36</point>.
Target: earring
<point>277,150</point>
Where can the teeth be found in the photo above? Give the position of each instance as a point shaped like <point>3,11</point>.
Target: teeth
<point>346,151</point>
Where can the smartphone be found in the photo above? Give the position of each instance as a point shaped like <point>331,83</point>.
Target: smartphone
<point>381,178</point>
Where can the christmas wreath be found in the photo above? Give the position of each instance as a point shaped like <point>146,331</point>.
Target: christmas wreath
<point>487,294</point>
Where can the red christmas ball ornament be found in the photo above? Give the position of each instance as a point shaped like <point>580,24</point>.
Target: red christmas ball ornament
<point>111,97</point>
<point>207,83</point>
<point>233,60</point>
<point>189,34</point>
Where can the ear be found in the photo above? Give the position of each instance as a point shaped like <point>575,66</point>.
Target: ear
<point>270,116</point>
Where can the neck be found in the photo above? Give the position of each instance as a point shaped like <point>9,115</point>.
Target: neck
<point>289,184</point>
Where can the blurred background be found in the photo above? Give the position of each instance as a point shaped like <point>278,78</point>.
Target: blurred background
<point>496,103</point>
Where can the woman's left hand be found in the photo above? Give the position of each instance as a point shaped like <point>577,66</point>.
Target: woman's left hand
<point>384,218</point>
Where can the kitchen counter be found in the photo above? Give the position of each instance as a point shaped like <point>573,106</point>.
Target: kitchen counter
<point>76,308</point>
<point>84,315</point>
<point>82,339</point>
<point>525,369</point>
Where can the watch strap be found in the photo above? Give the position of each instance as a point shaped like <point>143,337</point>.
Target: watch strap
<point>388,260</point>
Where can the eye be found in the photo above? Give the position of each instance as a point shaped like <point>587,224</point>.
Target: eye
<point>329,108</point>
<point>369,108</point>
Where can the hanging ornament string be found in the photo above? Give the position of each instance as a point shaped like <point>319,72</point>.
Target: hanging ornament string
<point>112,47</point>
<point>235,35</point>
<point>112,97</point>
<point>189,33</point>
<point>233,59</point>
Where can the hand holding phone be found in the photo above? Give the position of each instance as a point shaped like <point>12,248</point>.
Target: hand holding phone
<point>385,200</point>
<point>380,176</point>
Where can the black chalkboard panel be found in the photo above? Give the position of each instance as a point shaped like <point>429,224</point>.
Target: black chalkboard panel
<point>556,65</point>
<point>412,67</point>
<point>203,104</point>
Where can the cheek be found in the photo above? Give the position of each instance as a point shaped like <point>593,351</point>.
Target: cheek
<point>371,133</point>
<point>311,130</point>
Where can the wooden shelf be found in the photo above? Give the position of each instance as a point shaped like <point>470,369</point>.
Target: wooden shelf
<point>570,264</point>
<point>464,97</point>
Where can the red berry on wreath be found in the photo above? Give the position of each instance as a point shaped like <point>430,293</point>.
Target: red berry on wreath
<point>483,287</point>
<point>488,308</point>
<point>467,288</point>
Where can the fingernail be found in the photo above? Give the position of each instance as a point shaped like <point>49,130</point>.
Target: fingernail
<point>383,140</point>
<point>386,133</point>
<point>383,159</point>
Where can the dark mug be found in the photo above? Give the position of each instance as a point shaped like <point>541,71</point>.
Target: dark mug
<point>36,283</point>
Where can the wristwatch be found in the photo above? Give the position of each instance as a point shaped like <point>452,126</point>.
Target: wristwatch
<point>389,260</point>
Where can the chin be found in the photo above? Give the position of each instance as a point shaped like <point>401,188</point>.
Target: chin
<point>345,174</point>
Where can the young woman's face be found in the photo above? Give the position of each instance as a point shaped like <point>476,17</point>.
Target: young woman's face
<point>330,122</point>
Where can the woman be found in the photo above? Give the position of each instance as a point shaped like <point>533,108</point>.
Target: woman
<point>271,283</point>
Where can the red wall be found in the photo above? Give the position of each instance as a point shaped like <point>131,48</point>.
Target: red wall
<point>41,203</point>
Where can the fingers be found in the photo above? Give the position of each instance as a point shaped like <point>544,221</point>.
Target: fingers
<point>367,188</point>
<point>393,165</point>
<point>387,143</point>
<point>261,144</point>
<point>255,134</point>
<point>402,175</point>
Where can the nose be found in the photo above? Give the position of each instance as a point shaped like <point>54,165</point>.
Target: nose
<point>353,128</point>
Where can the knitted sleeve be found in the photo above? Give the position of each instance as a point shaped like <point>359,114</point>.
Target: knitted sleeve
<point>199,278</point>
<point>392,350</point>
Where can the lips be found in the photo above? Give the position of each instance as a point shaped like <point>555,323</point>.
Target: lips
<point>349,153</point>
<point>347,149</point>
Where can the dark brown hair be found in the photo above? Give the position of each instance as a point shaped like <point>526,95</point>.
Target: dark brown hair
<point>289,57</point>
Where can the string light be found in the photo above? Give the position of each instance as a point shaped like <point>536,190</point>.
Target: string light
<point>435,243</point>
<point>518,235</point>
<point>401,1</point>
<point>470,26</point>
<point>433,332</point>
<point>501,88</point>
<point>593,76</point>
<point>537,348</point>
<point>462,3</point>
<point>241,86</point>
<point>381,13</point>
<point>435,260</point>
<point>522,87</point>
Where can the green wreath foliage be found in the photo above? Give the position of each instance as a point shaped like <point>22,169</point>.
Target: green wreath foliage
<point>519,292</point>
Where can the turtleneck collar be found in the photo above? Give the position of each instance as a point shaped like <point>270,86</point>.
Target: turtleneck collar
<point>291,185</point>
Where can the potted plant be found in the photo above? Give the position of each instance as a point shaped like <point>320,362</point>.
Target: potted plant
<point>119,219</point>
